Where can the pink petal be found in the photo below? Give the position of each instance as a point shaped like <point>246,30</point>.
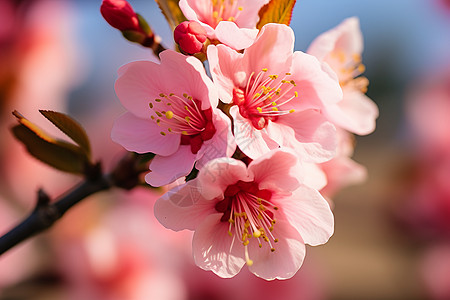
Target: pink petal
<point>166,169</point>
<point>137,85</point>
<point>186,74</point>
<point>234,37</point>
<point>222,144</point>
<point>274,171</point>
<point>316,84</point>
<point>248,139</point>
<point>287,258</point>
<point>345,37</point>
<point>308,212</point>
<point>215,250</point>
<point>218,174</point>
<point>183,207</point>
<point>226,69</point>
<point>249,16</point>
<point>316,178</point>
<point>143,135</point>
<point>356,113</point>
<point>315,139</point>
<point>272,49</point>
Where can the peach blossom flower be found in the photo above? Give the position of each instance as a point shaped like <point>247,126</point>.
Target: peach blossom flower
<point>171,112</point>
<point>261,215</point>
<point>341,48</point>
<point>232,22</point>
<point>273,92</point>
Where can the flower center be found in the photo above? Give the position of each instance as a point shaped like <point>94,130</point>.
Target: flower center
<point>349,70</point>
<point>224,10</point>
<point>250,214</point>
<point>183,115</point>
<point>265,97</point>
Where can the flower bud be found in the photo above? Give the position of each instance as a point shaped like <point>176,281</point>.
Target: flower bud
<point>190,36</point>
<point>120,15</point>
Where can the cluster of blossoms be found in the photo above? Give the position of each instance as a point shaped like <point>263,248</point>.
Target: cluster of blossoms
<point>267,133</point>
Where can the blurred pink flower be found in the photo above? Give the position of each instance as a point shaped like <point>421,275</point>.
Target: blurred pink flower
<point>233,23</point>
<point>273,92</point>
<point>341,48</point>
<point>436,271</point>
<point>171,112</point>
<point>261,215</point>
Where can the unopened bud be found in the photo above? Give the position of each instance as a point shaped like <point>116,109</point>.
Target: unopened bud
<point>120,15</point>
<point>190,36</point>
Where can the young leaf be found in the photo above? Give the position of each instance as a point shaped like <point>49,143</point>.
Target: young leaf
<point>276,11</point>
<point>172,12</point>
<point>70,127</point>
<point>56,153</point>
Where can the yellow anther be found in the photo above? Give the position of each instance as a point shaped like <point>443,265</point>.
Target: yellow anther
<point>291,111</point>
<point>259,109</point>
<point>296,94</point>
<point>168,103</point>
<point>256,95</point>
<point>272,249</point>
<point>158,100</point>
<point>275,207</point>
<point>240,8</point>
<point>186,108</point>
<point>185,95</point>
<point>151,105</point>
<point>356,57</point>
<point>231,19</point>
<point>187,118</point>
<point>275,240</point>
<point>264,70</point>
<point>215,14</point>
<point>262,207</point>
<point>288,73</point>
<point>273,77</point>
<point>231,220</point>
<point>361,68</point>
<point>184,132</point>
<point>260,216</point>
<point>274,109</point>
<point>271,228</point>
<point>163,133</point>
<point>260,245</point>
<point>274,221</point>
<point>171,94</point>
<point>158,121</point>
<point>158,113</point>
<point>293,83</point>
<point>274,103</point>
<point>246,242</point>
<point>152,117</point>
<point>249,262</point>
<point>229,233</point>
<point>169,114</point>
<point>256,233</point>
<point>162,95</point>
<point>169,129</point>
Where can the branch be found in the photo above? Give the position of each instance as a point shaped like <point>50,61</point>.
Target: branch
<point>125,175</point>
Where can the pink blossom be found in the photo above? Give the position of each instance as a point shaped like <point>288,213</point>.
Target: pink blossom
<point>190,36</point>
<point>261,215</point>
<point>341,48</point>
<point>171,112</point>
<point>274,92</point>
<point>231,22</point>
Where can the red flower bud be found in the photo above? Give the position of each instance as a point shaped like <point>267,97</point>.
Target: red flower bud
<point>190,36</point>
<point>119,14</point>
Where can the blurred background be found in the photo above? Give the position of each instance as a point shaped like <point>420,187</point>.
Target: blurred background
<point>392,235</point>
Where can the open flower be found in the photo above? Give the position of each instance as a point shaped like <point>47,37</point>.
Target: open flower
<point>274,93</point>
<point>172,113</point>
<point>260,215</point>
<point>341,48</point>
<point>232,22</point>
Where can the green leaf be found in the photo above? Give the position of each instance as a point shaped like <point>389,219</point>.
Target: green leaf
<point>56,153</point>
<point>276,11</point>
<point>172,12</point>
<point>70,127</point>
